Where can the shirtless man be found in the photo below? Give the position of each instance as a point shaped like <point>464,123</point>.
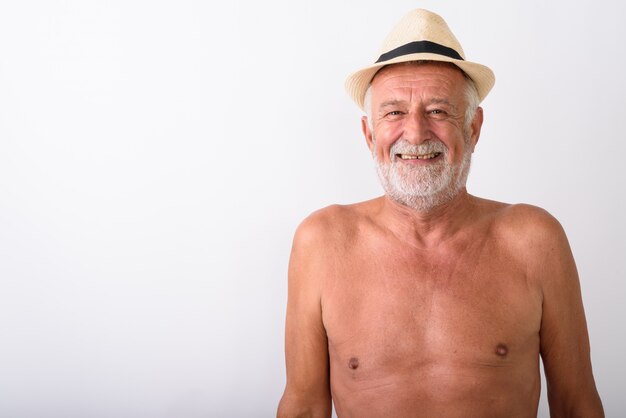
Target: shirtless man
<point>428,301</point>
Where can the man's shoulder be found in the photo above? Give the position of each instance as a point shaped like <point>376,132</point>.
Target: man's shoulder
<point>526,228</point>
<point>536,239</point>
<point>525,219</point>
<point>336,221</point>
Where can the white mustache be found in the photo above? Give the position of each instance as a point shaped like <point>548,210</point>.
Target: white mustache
<point>403,146</point>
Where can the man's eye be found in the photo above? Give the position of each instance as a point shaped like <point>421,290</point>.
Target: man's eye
<point>394,113</point>
<point>436,112</point>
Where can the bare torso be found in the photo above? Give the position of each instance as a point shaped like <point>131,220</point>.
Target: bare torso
<point>429,302</point>
<point>446,331</point>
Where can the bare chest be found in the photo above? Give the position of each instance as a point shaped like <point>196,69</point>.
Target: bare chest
<point>389,311</point>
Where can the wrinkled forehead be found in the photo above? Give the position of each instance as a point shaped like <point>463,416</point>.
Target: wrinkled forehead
<point>437,80</point>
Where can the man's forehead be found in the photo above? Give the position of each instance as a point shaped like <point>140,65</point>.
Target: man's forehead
<point>434,81</point>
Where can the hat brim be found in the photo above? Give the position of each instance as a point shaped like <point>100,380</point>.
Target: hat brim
<point>358,82</point>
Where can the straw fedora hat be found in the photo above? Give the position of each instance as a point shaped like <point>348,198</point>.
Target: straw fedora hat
<point>420,35</point>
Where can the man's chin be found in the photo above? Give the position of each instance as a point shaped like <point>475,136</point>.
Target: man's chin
<point>422,203</point>
<point>427,191</point>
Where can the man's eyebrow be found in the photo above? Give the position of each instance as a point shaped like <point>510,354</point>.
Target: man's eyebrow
<point>446,102</point>
<point>389,103</point>
<point>434,100</point>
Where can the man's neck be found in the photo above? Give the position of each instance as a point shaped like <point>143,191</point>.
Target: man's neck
<point>427,229</point>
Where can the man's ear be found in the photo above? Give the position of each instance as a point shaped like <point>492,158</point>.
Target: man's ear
<point>475,127</point>
<point>367,133</point>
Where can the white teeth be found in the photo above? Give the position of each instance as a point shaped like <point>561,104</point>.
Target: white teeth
<point>419,157</point>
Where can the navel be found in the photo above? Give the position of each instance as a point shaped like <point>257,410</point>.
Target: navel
<point>502,350</point>
<point>353,363</point>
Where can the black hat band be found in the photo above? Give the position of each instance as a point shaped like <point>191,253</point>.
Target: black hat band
<point>419,47</point>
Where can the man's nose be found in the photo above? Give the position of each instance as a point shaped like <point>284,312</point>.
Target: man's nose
<point>416,128</point>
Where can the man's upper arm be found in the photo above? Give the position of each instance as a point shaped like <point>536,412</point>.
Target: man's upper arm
<point>564,339</point>
<point>307,392</point>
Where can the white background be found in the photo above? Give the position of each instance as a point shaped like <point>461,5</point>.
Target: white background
<point>156,157</point>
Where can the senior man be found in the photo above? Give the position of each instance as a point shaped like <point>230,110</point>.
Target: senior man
<point>428,301</point>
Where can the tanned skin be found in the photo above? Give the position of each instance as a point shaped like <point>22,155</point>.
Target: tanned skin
<point>398,313</point>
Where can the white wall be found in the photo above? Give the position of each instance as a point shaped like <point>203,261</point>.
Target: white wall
<point>156,157</point>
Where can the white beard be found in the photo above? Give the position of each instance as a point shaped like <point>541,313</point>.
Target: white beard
<point>422,187</point>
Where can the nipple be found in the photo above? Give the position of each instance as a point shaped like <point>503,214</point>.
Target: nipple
<point>502,350</point>
<point>353,364</point>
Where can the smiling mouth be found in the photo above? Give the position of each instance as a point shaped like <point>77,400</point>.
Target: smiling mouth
<point>428,156</point>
